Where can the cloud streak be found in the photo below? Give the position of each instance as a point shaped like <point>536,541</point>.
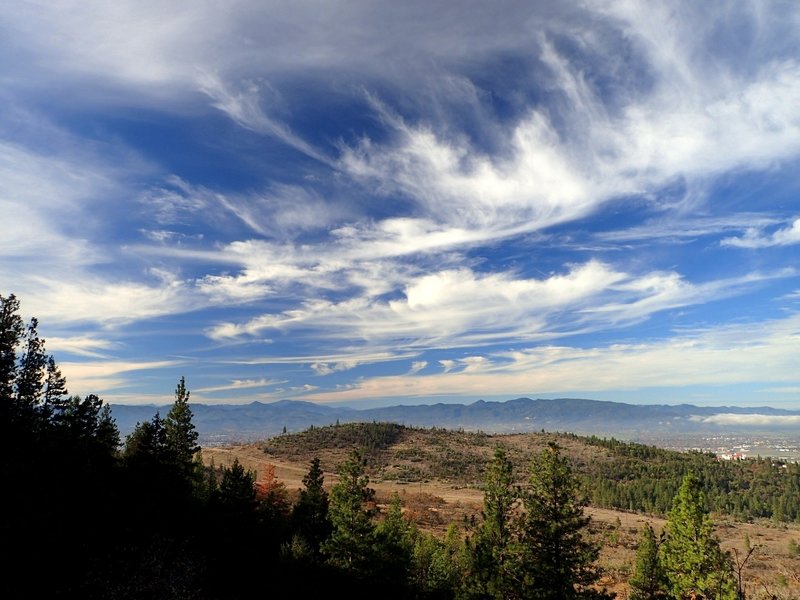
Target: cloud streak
<point>714,357</point>
<point>460,307</point>
<point>754,238</point>
<point>753,420</point>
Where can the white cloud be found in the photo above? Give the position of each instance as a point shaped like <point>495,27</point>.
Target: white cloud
<point>104,302</point>
<point>755,420</point>
<point>755,238</point>
<point>547,177</point>
<point>417,366</point>
<point>459,307</point>
<point>324,368</point>
<point>45,193</point>
<point>686,227</point>
<point>243,106</point>
<point>346,358</point>
<point>240,384</point>
<point>79,345</point>
<point>726,355</point>
<point>97,377</point>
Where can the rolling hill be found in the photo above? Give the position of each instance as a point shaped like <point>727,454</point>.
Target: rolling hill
<point>226,423</point>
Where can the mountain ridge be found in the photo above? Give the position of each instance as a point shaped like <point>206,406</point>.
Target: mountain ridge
<point>221,423</point>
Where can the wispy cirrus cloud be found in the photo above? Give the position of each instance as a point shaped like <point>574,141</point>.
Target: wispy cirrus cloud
<point>88,377</point>
<point>244,106</point>
<point>756,238</point>
<point>546,177</point>
<point>739,354</point>
<point>461,307</point>
<point>80,345</point>
<point>240,384</point>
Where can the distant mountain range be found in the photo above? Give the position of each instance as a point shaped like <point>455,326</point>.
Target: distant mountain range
<point>226,423</point>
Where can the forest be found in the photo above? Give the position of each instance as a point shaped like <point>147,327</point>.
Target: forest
<point>87,514</point>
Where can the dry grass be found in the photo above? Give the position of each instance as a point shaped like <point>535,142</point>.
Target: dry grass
<point>436,503</point>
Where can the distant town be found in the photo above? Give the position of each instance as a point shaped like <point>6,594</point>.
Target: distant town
<point>733,446</point>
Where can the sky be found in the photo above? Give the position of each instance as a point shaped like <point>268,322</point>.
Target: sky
<point>371,203</point>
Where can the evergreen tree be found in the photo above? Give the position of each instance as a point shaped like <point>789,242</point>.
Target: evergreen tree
<point>648,581</point>
<point>85,430</point>
<point>31,371</point>
<point>58,468</point>
<point>309,518</point>
<point>181,436</point>
<point>11,330</point>
<point>147,443</point>
<point>492,552</point>
<point>27,414</point>
<point>438,564</point>
<point>558,561</point>
<point>106,432</point>
<point>237,492</point>
<point>55,387</point>
<point>693,561</point>
<point>235,538</point>
<point>394,548</point>
<point>351,543</point>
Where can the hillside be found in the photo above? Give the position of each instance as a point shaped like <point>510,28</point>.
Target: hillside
<point>615,474</point>
<point>438,473</point>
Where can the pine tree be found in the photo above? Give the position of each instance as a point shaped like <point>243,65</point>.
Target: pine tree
<point>30,381</point>
<point>32,366</point>
<point>351,510</point>
<point>438,564</point>
<point>648,581</point>
<point>237,492</point>
<point>11,330</point>
<point>394,547</point>
<point>693,561</point>
<point>181,435</point>
<point>58,467</point>
<point>146,445</point>
<point>310,513</point>
<point>55,387</point>
<point>492,550</point>
<point>559,562</point>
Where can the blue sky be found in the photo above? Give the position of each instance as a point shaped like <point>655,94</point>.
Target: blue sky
<point>373,202</point>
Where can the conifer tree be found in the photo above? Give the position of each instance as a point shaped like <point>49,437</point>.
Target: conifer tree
<point>107,433</point>
<point>693,561</point>
<point>236,491</point>
<point>146,444</point>
<point>181,435</point>
<point>309,517</point>
<point>350,545</point>
<point>394,548</point>
<point>558,561</point>
<point>30,379</point>
<point>492,552</point>
<point>438,563</point>
<point>11,330</point>
<point>57,465</point>
<point>55,389</point>
<point>648,581</point>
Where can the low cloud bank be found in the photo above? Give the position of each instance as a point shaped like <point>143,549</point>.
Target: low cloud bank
<point>749,419</point>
